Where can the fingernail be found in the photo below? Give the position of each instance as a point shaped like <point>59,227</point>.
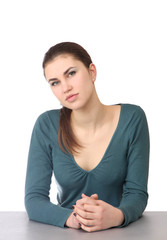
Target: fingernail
<point>74,214</point>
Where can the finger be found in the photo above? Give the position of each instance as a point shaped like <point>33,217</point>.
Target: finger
<point>87,222</point>
<point>76,223</point>
<point>85,214</point>
<point>87,200</point>
<point>87,208</point>
<point>94,196</point>
<point>83,195</point>
<point>89,229</point>
<point>90,208</point>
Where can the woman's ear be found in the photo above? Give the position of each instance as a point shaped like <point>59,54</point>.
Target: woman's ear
<point>93,72</point>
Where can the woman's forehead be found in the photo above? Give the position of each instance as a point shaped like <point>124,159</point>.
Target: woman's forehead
<point>63,59</point>
<point>60,64</point>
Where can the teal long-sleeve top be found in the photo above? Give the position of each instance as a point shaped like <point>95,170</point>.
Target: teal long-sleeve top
<point>120,178</point>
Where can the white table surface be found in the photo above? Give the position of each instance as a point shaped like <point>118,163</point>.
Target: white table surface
<point>16,225</point>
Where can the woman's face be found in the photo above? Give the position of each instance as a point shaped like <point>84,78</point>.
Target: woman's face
<point>71,82</point>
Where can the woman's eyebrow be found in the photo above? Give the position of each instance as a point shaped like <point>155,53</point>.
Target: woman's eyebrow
<point>68,70</point>
<point>54,79</point>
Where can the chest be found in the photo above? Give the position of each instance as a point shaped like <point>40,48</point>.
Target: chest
<point>91,155</point>
<point>108,169</point>
<point>94,148</point>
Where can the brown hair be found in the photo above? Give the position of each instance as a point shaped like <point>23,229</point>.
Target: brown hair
<point>66,138</point>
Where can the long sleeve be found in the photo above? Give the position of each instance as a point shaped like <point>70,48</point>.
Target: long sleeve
<point>135,196</point>
<point>38,178</point>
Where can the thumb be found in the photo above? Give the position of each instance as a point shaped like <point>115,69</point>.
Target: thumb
<point>94,196</point>
<point>83,195</point>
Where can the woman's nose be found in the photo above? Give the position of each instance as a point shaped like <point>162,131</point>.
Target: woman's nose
<point>66,87</point>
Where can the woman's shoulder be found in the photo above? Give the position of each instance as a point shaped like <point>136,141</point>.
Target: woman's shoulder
<point>133,113</point>
<point>132,109</point>
<point>48,118</point>
<point>51,114</point>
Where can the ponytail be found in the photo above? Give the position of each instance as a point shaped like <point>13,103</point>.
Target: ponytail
<point>66,138</point>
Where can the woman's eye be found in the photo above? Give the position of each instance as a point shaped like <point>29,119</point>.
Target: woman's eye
<point>54,83</point>
<point>71,73</point>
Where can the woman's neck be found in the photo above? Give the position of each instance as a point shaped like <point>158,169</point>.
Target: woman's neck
<point>90,117</point>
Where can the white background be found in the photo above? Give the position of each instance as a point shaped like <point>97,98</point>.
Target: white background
<point>128,44</point>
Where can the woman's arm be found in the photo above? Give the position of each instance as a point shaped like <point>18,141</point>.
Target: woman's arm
<point>38,178</point>
<point>135,195</point>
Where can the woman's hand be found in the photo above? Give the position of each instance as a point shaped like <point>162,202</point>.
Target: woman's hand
<point>94,214</point>
<point>72,221</point>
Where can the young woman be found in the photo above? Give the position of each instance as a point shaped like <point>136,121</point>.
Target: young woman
<point>99,154</point>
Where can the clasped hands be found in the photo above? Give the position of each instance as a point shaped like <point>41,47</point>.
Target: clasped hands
<point>92,214</point>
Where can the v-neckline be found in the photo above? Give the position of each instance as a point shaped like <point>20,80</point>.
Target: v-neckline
<point>105,153</point>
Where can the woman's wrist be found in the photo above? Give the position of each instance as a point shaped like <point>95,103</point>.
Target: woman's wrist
<point>120,217</point>
<point>68,221</point>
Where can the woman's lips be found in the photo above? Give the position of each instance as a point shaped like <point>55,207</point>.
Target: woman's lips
<point>72,97</point>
